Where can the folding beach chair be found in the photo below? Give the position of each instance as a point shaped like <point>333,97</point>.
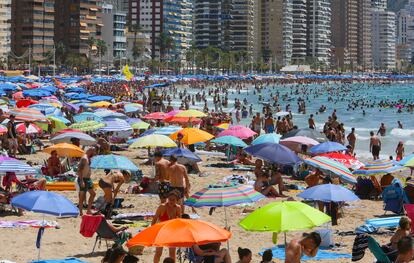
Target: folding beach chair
<point>394,197</point>
<point>105,232</point>
<point>186,255</point>
<point>376,250</point>
<point>409,211</point>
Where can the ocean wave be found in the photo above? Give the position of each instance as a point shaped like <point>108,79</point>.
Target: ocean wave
<point>362,138</point>
<point>402,132</point>
<point>409,142</point>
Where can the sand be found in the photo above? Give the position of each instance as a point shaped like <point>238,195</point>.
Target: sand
<point>18,245</point>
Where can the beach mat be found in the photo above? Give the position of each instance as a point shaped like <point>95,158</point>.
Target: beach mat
<point>68,260</point>
<point>279,253</point>
<point>384,222</point>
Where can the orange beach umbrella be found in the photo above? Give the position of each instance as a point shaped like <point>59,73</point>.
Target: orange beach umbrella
<point>180,233</point>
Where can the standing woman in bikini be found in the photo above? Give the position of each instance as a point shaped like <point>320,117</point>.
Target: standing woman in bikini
<point>167,211</point>
<point>110,184</point>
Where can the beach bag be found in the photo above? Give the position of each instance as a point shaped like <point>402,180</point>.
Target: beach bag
<point>90,224</point>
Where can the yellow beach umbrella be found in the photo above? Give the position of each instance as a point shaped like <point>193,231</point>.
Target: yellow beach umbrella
<point>152,141</point>
<point>100,104</point>
<point>142,125</point>
<point>191,114</point>
<point>192,135</point>
<point>65,150</point>
<point>223,126</point>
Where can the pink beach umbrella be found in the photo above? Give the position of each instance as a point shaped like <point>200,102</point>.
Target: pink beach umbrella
<point>295,143</point>
<point>30,129</point>
<point>172,113</point>
<point>238,131</point>
<point>155,116</point>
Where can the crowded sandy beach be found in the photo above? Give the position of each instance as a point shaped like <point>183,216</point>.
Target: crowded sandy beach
<point>279,168</point>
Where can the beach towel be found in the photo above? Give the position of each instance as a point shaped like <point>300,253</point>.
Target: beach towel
<point>279,253</point>
<point>67,260</point>
<point>359,247</point>
<point>384,222</point>
<point>90,224</point>
<point>131,216</point>
<point>27,223</point>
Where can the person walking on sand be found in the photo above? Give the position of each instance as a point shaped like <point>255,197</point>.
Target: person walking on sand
<point>308,245</point>
<point>178,179</point>
<point>374,146</point>
<point>84,180</point>
<point>162,176</point>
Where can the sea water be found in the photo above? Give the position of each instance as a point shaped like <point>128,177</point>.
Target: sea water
<point>341,95</point>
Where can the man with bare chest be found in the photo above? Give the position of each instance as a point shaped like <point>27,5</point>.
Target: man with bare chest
<point>178,176</point>
<point>161,175</point>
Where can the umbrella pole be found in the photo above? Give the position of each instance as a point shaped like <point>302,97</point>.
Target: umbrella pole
<point>225,221</point>
<point>284,233</point>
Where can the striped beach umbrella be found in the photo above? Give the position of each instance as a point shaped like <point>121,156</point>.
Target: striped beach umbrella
<point>116,125</point>
<point>8,164</point>
<point>331,167</point>
<point>155,116</point>
<point>168,130</point>
<point>222,195</point>
<point>86,126</point>
<point>378,167</point>
<point>26,114</point>
<point>30,129</point>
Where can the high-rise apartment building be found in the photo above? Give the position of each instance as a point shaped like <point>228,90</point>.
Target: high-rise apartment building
<point>32,27</point>
<point>162,19</point>
<point>5,28</point>
<point>299,31</point>
<point>403,47</point>
<point>76,22</point>
<point>274,31</point>
<point>379,4</point>
<point>383,39</point>
<point>364,34</point>
<point>319,30</point>
<point>242,27</point>
<point>114,31</point>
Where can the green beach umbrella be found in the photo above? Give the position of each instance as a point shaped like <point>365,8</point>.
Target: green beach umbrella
<point>86,126</point>
<point>284,217</point>
<point>140,125</point>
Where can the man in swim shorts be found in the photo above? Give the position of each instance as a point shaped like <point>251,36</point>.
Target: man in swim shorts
<point>161,175</point>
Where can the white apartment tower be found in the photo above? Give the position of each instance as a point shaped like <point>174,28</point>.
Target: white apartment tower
<point>5,28</point>
<point>299,31</point>
<point>113,31</point>
<point>383,39</point>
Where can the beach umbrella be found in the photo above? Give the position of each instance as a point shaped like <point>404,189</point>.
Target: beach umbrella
<point>44,202</point>
<point>3,129</point>
<point>24,103</point>
<point>268,137</point>
<point>273,153</point>
<point>148,132</point>
<point>100,104</point>
<point>378,167</point>
<point>295,143</point>
<point>180,233</point>
<point>284,216</point>
<point>176,119</point>
<point>152,141</point>
<point>46,109</point>
<point>168,130</point>
<point>18,95</point>
<point>155,116</point>
<point>406,158</point>
<point>132,107</point>
<point>109,114</point>
<point>331,167</point>
<point>347,160</point>
<point>172,113</point>
<point>223,126</point>
<point>140,125</point>
<point>113,162</point>
<point>8,164</point>
<point>191,114</point>
<point>224,195</point>
<point>26,114</point>
<point>230,140</point>
<point>182,153</point>
<point>115,125</point>
<point>327,147</point>
<point>87,116</point>
<point>192,135</point>
<point>238,131</point>
<point>65,150</point>
<point>328,193</point>
<point>86,126</point>
<point>58,123</point>
<point>306,132</point>
<point>66,137</point>
<point>409,163</point>
<point>30,129</point>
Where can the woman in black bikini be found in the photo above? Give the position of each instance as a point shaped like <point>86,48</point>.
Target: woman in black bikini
<point>111,183</point>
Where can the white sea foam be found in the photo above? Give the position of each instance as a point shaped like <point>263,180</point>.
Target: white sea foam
<point>402,132</point>
<point>409,142</point>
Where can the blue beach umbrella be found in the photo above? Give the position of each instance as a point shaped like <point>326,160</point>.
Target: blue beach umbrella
<point>116,125</point>
<point>87,116</point>
<point>378,167</point>
<point>8,87</point>
<point>230,140</point>
<point>8,164</point>
<point>273,153</point>
<point>180,152</point>
<point>329,193</point>
<point>327,147</point>
<point>269,137</point>
<point>168,130</point>
<point>45,202</point>
<point>331,167</point>
<point>407,158</point>
<point>111,161</point>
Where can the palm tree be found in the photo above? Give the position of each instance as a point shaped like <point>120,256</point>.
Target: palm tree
<point>166,44</point>
<point>102,49</point>
<point>91,47</point>
<point>138,45</point>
